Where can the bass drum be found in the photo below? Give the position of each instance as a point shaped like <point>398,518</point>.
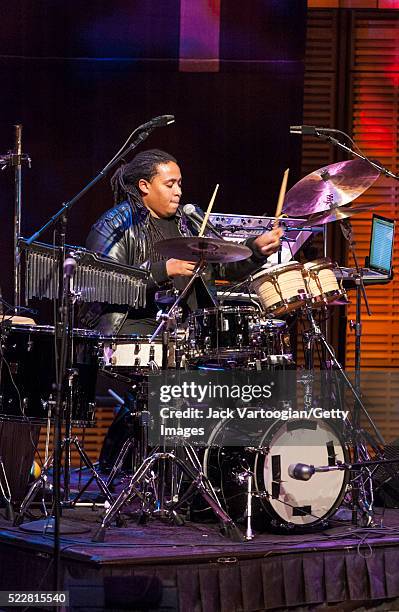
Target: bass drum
<point>279,502</point>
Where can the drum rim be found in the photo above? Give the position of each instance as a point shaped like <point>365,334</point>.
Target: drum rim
<point>277,323</point>
<point>228,309</point>
<point>285,302</point>
<point>28,327</point>
<point>133,339</point>
<point>327,296</point>
<point>49,330</point>
<point>291,265</point>
<point>319,264</point>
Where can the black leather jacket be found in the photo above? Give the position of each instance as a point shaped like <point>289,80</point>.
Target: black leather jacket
<point>123,234</point>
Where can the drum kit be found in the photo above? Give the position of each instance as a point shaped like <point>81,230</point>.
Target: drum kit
<point>256,480</point>
<point>253,337</point>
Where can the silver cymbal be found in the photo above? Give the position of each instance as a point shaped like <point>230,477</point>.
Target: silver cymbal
<point>193,248</point>
<point>336,214</point>
<point>329,187</point>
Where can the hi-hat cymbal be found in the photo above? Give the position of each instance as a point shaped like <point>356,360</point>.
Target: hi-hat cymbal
<point>336,214</point>
<point>193,248</point>
<point>331,186</point>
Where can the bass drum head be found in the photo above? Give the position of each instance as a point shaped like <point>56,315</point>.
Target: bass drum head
<point>297,503</point>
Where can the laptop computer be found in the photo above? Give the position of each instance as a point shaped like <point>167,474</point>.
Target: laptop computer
<point>378,265</point>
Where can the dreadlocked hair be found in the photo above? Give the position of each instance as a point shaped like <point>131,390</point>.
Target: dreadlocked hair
<point>144,165</point>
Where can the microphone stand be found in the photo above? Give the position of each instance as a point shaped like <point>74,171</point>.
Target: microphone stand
<point>68,205</point>
<point>343,146</point>
<point>65,333</point>
<point>346,228</point>
<point>307,471</point>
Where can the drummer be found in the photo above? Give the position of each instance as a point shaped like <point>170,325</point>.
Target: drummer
<point>147,193</point>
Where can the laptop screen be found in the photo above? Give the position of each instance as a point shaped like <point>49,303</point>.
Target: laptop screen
<point>381,244</point>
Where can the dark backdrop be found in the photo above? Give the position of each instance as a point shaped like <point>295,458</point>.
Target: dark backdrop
<point>80,76</point>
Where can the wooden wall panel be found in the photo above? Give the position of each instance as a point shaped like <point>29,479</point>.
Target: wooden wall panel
<point>90,438</point>
<point>374,78</point>
<point>352,82</point>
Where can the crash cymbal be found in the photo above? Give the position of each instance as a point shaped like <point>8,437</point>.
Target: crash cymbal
<point>336,214</point>
<point>331,186</point>
<point>193,248</point>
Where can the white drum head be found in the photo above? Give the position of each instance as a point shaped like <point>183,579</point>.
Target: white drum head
<point>303,502</point>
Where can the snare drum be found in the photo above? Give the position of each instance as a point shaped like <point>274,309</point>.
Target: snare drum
<point>29,353</point>
<point>321,281</point>
<point>281,288</point>
<point>131,355</point>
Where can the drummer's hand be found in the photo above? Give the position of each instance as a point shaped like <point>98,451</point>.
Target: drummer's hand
<point>269,242</point>
<point>178,267</point>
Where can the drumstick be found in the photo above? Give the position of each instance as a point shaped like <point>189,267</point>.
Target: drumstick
<point>208,212</point>
<point>281,197</point>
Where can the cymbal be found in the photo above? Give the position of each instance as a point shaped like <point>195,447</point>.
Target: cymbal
<point>193,248</point>
<point>330,186</point>
<point>336,214</point>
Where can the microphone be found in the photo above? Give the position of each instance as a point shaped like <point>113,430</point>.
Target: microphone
<point>69,267</point>
<point>157,122</point>
<point>302,471</point>
<point>310,130</point>
<point>190,211</point>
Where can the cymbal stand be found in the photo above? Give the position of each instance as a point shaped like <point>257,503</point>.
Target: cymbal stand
<point>189,466</point>
<point>360,452</point>
<point>199,483</point>
<point>142,414</point>
<point>361,487</point>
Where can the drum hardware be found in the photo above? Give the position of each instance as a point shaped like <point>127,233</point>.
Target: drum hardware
<point>327,204</point>
<point>201,250</point>
<point>362,487</point>
<point>199,483</point>
<point>360,451</point>
<point>246,477</point>
<point>138,440</point>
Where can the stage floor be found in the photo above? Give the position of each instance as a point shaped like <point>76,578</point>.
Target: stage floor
<point>193,567</point>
